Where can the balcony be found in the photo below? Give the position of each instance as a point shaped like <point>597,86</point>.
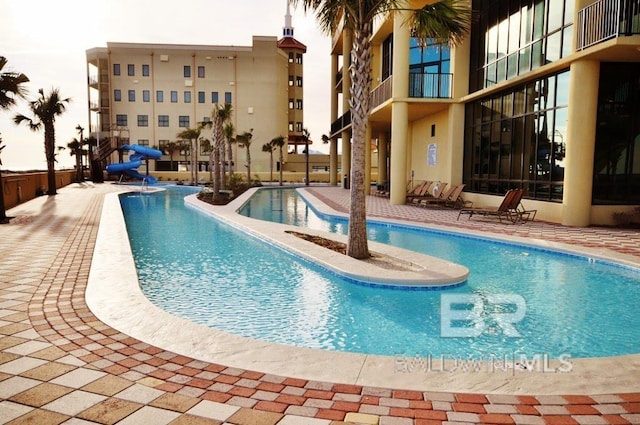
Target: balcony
<point>430,85</point>
<point>341,123</point>
<point>607,19</point>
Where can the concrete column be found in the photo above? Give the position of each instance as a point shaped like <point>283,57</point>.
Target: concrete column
<point>333,143</point>
<point>581,141</point>
<point>347,44</point>
<point>367,162</point>
<point>333,162</point>
<point>346,155</point>
<point>399,108</point>
<point>382,157</point>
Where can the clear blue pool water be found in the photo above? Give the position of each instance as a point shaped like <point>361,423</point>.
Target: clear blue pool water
<point>201,269</point>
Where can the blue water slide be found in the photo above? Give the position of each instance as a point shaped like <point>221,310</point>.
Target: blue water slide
<point>141,153</point>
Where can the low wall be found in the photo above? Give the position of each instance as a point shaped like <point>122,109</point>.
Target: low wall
<point>287,176</point>
<point>22,187</point>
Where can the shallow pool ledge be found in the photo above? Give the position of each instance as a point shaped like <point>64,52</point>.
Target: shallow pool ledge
<point>389,266</point>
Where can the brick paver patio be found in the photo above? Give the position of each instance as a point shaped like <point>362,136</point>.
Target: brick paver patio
<point>60,364</point>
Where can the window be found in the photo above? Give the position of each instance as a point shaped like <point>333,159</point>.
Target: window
<point>121,120</point>
<point>214,97</point>
<point>617,148</point>
<point>187,97</point>
<point>429,66</point>
<point>131,70</point>
<point>290,80</point>
<point>517,139</point>
<point>291,104</point>
<point>132,95</point>
<point>517,38</point>
<point>143,142</point>
<point>299,58</point>
<point>159,96</point>
<point>290,57</point>
<point>163,120</point>
<point>117,95</point>
<point>183,121</point>
<point>227,97</point>
<point>200,71</point>
<point>387,58</point>
<point>145,70</point>
<point>146,96</point>
<point>187,71</point>
<point>299,81</point>
<point>116,69</point>
<point>299,127</point>
<point>174,96</point>
<point>299,104</point>
<point>200,97</point>
<point>206,119</point>
<point>143,120</point>
<point>290,125</point>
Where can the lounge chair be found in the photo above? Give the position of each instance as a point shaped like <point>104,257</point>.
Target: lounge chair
<point>450,198</point>
<point>436,191</point>
<point>508,209</point>
<point>418,192</point>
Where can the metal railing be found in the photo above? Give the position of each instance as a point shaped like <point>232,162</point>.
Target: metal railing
<point>606,19</point>
<point>341,123</point>
<point>430,85</point>
<point>381,93</point>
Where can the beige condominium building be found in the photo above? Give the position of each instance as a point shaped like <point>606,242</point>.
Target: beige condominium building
<point>543,95</point>
<point>146,94</point>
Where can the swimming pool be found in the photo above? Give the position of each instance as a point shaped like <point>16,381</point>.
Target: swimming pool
<point>215,275</point>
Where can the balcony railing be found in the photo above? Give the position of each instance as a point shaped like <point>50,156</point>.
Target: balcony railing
<point>381,93</point>
<point>606,19</point>
<point>341,123</point>
<point>430,85</point>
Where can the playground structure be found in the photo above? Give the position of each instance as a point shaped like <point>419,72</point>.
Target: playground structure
<point>141,153</point>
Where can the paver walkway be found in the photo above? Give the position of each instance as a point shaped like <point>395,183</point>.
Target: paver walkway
<point>60,364</point>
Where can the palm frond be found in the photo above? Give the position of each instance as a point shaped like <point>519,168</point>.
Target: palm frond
<point>446,21</point>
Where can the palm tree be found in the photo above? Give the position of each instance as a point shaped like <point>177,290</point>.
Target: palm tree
<point>192,135</point>
<point>11,87</point>
<point>91,143</point>
<point>81,140</point>
<point>220,116</point>
<point>229,130</point>
<point>305,138</point>
<point>244,141</point>
<point>76,149</point>
<point>45,109</point>
<point>445,21</point>
<point>207,146</point>
<point>279,143</point>
<point>170,148</point>
<point>269,147</point>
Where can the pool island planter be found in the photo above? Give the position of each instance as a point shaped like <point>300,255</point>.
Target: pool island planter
<point>411,270</point>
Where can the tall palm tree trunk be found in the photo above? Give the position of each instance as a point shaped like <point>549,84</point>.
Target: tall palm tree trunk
<point>194,162</point>
<point>223,166</point>
<point>216,171</point>
<point>360,70</point>
<point>281,165</point>
<point>248,166</point>
<point>49,151</point>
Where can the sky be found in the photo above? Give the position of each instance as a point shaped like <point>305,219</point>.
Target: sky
<point>47,41</point>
